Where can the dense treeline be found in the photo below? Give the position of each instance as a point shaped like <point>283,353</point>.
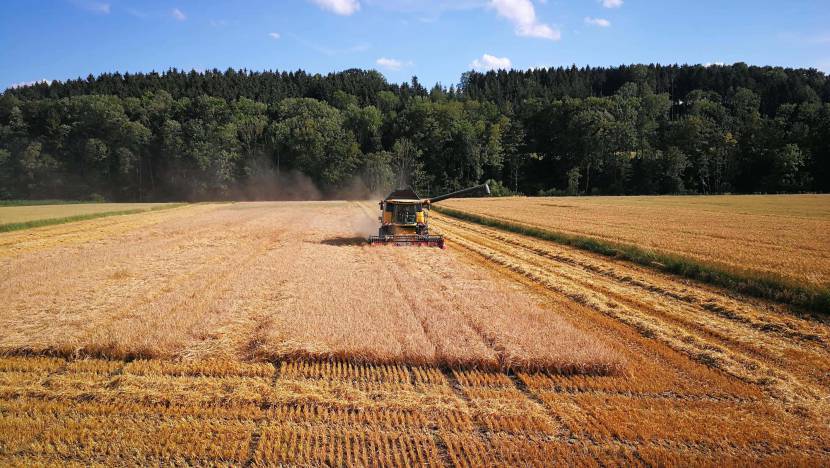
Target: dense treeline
<point>239,134</point>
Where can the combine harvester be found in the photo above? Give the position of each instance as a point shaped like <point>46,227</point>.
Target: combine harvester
<point>404,217</point>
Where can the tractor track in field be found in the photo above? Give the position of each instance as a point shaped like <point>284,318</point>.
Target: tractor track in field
<point>754,342</point>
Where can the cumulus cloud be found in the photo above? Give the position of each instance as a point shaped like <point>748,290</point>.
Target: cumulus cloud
<point>490,62</point>
<point>601,22</point>
<point>274,35</point>
<point>611,3</point>
<point>178,14</point>
<point>339,7</point>
<point>392,64</point>
<point>523,16</point>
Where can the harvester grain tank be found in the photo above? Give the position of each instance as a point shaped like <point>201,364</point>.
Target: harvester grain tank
<point>404,217</point>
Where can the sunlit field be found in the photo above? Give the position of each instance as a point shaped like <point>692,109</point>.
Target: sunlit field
<point>21,214</point>
<point>787,235</point>
<point>271,333</point>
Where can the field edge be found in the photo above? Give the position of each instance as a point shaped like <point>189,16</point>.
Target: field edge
<point>36,223</point>
<point>748,282</point>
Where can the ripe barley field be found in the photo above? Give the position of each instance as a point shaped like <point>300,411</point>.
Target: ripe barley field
<point>28,213</point>
<point>277,281</point>
<point>784,236</point>
<point>270,334</point>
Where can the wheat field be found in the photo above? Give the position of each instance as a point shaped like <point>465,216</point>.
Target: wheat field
<point>270,334</point>
<point>24,213</point>
<point>776,235</point>
<point>269,281</point>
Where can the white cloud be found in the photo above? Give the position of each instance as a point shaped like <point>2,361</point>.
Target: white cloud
<point>711,64</point>
<point>178,14</point>
<point>820,39</point>
<point>392,64</point>
<point>601,22</point>
<point>136,13</point>
<point>523,16</point>
<point>100,7</point>
<point>274,35</point>
<point>339,7</point>
<point>323,49</point>
<point>611,3</point>
<point>28,83</point>
<point>491,62</point>
<point>816,39</point>
<point>426,11</point>
<point>93,6</point>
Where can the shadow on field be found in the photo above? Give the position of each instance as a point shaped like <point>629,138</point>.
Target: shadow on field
<point>344,241</point>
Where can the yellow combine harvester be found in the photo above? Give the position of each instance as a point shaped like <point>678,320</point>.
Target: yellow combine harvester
<point>404,217</point>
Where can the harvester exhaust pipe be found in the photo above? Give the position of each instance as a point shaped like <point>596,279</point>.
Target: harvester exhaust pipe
<point>478,188</point>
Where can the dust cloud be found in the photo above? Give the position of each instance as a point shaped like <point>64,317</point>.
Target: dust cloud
<point>269,185</point>
<point>265,184</point>
<point>366,223</point>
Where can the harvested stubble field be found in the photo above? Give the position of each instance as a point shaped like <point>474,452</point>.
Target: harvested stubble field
<point>270,334</point>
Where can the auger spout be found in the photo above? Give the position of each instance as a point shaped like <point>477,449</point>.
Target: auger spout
<point>483,188</point>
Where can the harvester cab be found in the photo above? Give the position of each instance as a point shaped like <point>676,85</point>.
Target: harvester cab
<point>404,217</point>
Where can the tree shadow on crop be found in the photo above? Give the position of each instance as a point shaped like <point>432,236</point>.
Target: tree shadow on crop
<point>343,241</point>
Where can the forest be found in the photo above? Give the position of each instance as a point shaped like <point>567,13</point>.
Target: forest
<point>240,134</point>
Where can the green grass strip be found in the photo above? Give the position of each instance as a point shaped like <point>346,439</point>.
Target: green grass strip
<point>83,217</point>
<point>44,202</point>
<point>748,282</point>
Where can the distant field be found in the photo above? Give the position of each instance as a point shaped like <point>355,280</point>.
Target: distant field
<point>42,202</point>
<point>26,213</point>
<point>785,236</point>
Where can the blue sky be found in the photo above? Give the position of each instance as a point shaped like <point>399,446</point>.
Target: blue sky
<point>436,40</point>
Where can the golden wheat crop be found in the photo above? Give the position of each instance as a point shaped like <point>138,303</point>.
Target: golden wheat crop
<point>277,281</point>
<point>473,450</point>
<point>103,230</point>
<point>92,412</point>
<point>499,406</point>
<point>754,342</point>
<point>780,235</point>
<point>287,342</point>
<point>21,214</point>
<point>281,444</point>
